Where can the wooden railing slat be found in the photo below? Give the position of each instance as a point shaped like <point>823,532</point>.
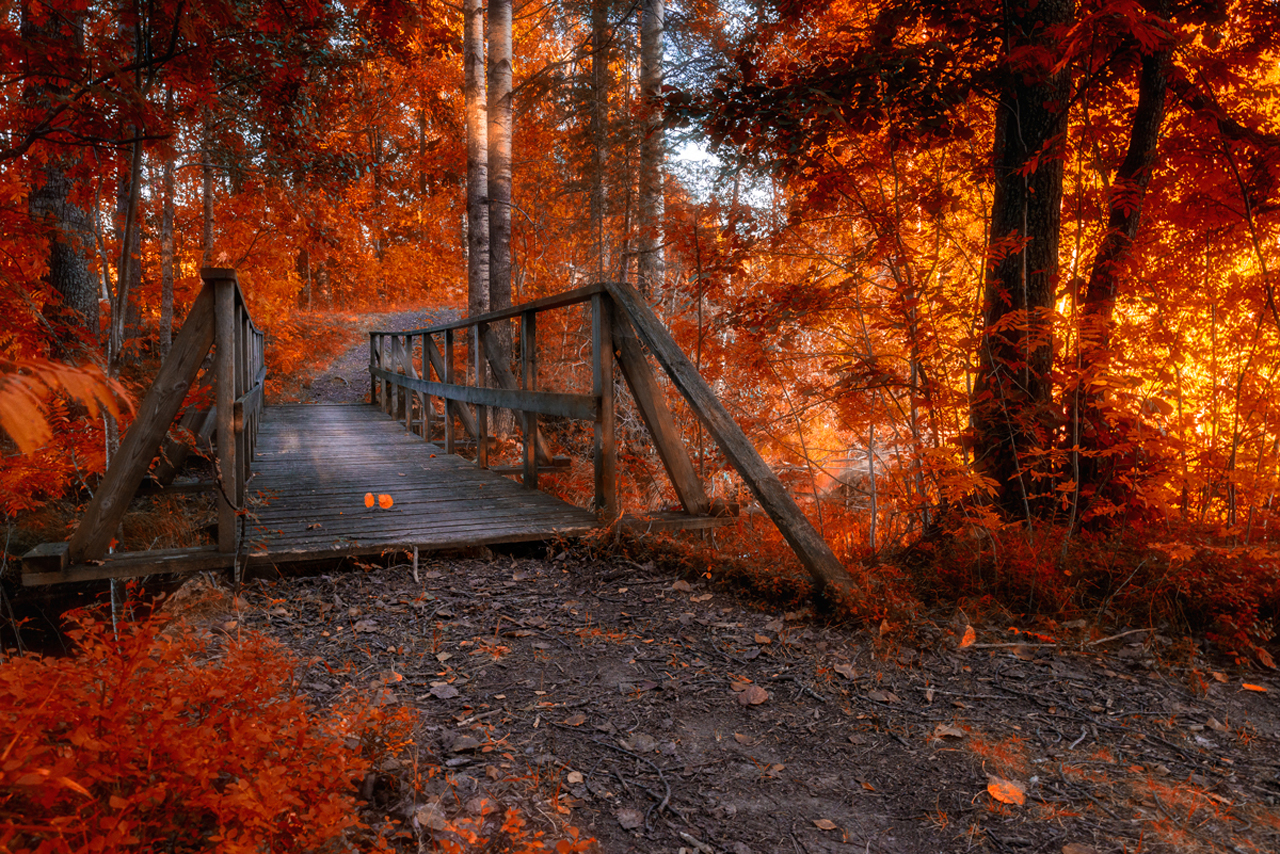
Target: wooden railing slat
<point>98,526</point>
<point>814,553</point>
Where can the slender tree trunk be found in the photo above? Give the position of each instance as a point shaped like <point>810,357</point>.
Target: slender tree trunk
<point>206,192</point>
<point>128,265</point>
<point>1087,410</point>
<point>166,242</point>
<point>650,262</point>
<point>477,157</point>
<point>599,126</point>
<point>1012,407</point>
<point>499,95</point>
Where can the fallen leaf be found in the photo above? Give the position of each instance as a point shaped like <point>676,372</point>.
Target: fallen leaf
<point>444,692</point>
<point>762,639</point>
<point>885,628</point>
<point>430,815</point>
<point>867,786</point>
<point>1264,658</point>
<point>773,626</point>
<point>845,670</point>
<point>314,526</point>
<point>1215,724</point>
<point>629,819</point>
<point>948,731</point>
<point>884,697</point>
<point>752,695</point>
<point>1078,848</point>
<point>1218,676</point>
<point>573,777</point>
<point>385,502</point>
<point>1006,791</point>
<point>368,499</point>
<point>824,824</point>
<point>1249,686</point>
<point>745,740</point>
<point>702,598</point>
<point>682,586</point>
<point>969,637</point>
<point>575,720</point>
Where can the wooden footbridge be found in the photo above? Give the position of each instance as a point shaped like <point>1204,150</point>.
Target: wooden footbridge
<point>300,483</point>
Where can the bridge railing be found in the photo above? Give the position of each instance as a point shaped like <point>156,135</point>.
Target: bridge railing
<point>625,330</point>
<point>220,319</point>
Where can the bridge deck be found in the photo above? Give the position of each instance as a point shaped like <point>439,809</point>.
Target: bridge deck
<point>314,465</point>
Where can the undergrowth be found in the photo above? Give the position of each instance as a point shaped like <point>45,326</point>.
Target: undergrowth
<point>159,736</point>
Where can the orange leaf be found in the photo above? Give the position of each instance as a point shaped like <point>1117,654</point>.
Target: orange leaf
<point>824,824</point>
<point>969,637</point>
<point>74,786</point>
<point>1006,791</point>
<point>385,502</point>
<point>368,499</point>
<point>1249,686</point>
<point>1264,658</point>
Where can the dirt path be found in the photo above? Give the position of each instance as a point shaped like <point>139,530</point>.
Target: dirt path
<point>663,716</point>
<point>346,379</point>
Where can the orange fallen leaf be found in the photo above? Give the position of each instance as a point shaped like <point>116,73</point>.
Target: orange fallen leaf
<point>368,499</point>
<point>824,824</point>
<point>1249,686</point>
<point>385,502</point>
<point>575,720</point>
<point>752,695</point>
<point>1006,791</point>
<point>969,637</point>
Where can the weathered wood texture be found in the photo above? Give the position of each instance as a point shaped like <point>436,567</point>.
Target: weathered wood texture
<point>314,465</point>
<point>142,441</point>
<point>814,553</point>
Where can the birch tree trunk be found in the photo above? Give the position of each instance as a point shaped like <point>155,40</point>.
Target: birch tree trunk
<point>499,82</point>
<point>650,265</point>
<point>477,157</point>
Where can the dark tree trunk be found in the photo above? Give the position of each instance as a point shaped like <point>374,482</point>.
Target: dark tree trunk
<point>51,203</point>
<point>1086,405</point>
<point>1012,409</point>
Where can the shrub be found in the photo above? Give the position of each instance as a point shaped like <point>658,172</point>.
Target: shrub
<point>161,738</point>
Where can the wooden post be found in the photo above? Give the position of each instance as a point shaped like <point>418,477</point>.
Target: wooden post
<point>814,553</point>
<point>448,378</point>
<point>224,374</point>
<point>657,417</point>
<point>428,404</point>
<point>529,382</point>
<point>606,456</point>
<point>140,442</point>
<point>444,370</point>
<point>373,363</point>
<point>482,412</point>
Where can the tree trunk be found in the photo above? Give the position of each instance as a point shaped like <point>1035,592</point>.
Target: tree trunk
<point>51,204</point>
<point>599,121</point>
<point>650,262</point>
<point>477,157</point>
<point>1011,411</point>
<point>166,242</point>
<point>499,95</point>
<point>1088,418</point>
<point>206,192</point>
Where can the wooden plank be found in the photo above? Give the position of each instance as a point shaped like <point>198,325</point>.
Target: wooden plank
<point>580,406</point>
<point>174,452</point>
<point>653,523</point>
<point>505,379</point>
<point>606,453</point>
<point>657,418</point>
<point>142,441</point>
<point>444,369</point>
<point>814,553</point>
<point>133,565</point>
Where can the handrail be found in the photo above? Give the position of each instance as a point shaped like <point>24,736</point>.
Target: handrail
<point>392,366</point>
<point>219,317</point>
<point>623,326</point>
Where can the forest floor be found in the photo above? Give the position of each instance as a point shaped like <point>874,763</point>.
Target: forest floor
<point>666,714</point>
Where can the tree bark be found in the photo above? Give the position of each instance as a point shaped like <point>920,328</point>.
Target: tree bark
<point>1012,408</point>
<point>51,204</point>
<point>650,266</point>
<point>166,241</point>
<point>598,127</point>
<point>477,157</point>
<point>1088,431</point>
<point>206,193</point>
<point>499,96</point>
